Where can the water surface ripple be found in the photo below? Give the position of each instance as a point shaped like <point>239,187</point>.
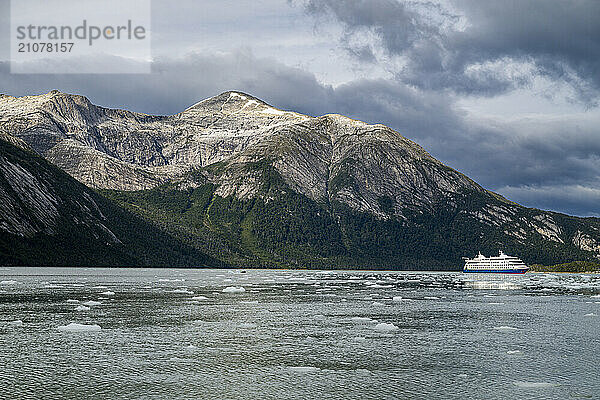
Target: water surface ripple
<point>195,334</point>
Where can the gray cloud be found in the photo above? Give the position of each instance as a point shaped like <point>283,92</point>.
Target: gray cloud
<point>455,47</point>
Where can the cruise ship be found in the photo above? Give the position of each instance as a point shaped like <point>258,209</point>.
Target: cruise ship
<point>503,264</point>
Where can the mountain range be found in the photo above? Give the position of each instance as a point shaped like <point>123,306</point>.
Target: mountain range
<point>233,181</point>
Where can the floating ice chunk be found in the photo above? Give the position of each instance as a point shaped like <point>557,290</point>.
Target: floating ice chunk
<point>431,298</point>
<point>397,298</point>
<point>82,308</point>
<point>92,303</point>
<point>184,291</point>
<point>16,322</point>
<point>513,352</point>
<point>8,282</point>
<point>171,280</point>
<point>363,320</point>
<point>535,385</point>
<point>496,304</point>
<point>72,301</point>
<point>233,289</point>
<point>249,302</point>
<point>74,327</point>
<point>100,287</point>
<point>304,369</point>
<point>596,295</point>
<point>199,298</point>
<point>108,293</point>
<point>590,315</point>
<point>191,347</point>
<point>505,328</point>
<point>385,327</point>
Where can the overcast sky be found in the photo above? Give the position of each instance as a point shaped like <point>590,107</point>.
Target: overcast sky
<point>506,92</point>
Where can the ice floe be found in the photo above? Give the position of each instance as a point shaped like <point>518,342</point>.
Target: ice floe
<point>82,308</point>
<point>397,298</point>
<point>182,291</point>
<point>108,293</point>
<point>16,322</point>
<point>385,327</point>
<point>233,289</point>
<point>92,303</point>
<point>505,328</point>
<point>249,302</point>
<point>8,282</point>
<point>304,369</point>
<point>590,315</point>
<point>199,298</point>
<point>72,301</point>
<point>513,352</point>
<point>431,298</point>
<point>74,327</point>
<point>535,385</point>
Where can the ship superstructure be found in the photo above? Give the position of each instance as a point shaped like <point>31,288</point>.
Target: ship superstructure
<point>503,263</point>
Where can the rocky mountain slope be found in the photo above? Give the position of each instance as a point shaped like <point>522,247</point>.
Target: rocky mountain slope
<point>48,218</point>
<point>251,184</point>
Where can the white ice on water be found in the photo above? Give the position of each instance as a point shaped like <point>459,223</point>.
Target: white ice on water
<point>92,303</point>
<point>363,320</point>
<point>385,327</point>
<point>199,298</point>
<point>108,293</point>
<point>74,327</point>
<point>534,385</point>
<point>505,328</point>
<point>233,289</point>
<point>82,308</point>
<point>184,291</point>
<point>72,301</point>
<point>513,352</point>
<point>304,369</point>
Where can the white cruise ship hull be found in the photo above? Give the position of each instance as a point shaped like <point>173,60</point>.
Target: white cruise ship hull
<point>497,271</point>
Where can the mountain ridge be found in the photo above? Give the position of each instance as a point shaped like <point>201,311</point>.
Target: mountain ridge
<point>249,158</point>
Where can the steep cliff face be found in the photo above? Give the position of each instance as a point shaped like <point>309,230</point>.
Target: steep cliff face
<point>350,174</point>
<point>48,218</point>
<point>325,158</point>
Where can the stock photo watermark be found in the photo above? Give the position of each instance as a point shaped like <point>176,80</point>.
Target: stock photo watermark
<point>80,36</point>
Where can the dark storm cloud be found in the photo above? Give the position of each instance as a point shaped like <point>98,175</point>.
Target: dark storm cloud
<point>452,47</point>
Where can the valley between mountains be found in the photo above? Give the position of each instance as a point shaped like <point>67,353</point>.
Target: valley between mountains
<point>233,181</point>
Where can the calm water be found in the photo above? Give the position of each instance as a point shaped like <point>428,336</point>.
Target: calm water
<point>174,334</point>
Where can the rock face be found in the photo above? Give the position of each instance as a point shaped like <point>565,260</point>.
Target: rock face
<point>114,149</point>
<point>48,218</point>
<point>230,140</point>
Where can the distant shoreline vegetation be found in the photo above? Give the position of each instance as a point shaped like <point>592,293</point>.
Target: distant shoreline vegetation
<point>574,266</point>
